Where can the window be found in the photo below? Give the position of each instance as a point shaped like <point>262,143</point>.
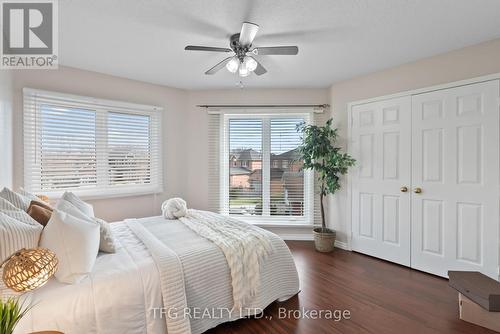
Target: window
<point>245,182</point>
<point>261,177</point>
<point>287,181</point>
<point>89,146</point>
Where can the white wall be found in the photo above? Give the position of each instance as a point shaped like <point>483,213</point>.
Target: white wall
<point>6,158</point>
<point>185,128</point>
<point>470,62</point>
<point>79,82</point>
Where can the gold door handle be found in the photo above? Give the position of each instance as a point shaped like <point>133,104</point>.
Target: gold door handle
<point>403,189</point>
<point>417,190</point>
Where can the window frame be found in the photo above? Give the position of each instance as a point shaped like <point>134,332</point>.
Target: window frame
<point>101,107</point>
<point>265,218</point>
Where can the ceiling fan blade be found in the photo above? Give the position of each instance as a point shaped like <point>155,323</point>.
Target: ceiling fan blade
<point>259,70</point>
<point>248,32</point>
<point>218,67</point>
<point>320,34</point>
<point>276,50</point>
<point>206,48</point>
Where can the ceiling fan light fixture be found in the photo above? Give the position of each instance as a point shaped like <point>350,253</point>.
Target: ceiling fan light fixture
<point>232,65</point>
<point>243,54</point>
<point>243,70</point>
<point>250,63</point>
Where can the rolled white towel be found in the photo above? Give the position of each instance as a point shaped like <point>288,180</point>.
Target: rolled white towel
<point>174,208</point>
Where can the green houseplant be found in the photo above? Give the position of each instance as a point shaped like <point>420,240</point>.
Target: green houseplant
<point>11,311</point>
<point>320,154</point>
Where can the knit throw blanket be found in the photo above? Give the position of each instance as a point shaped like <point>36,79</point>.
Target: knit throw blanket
<point>245,246</point>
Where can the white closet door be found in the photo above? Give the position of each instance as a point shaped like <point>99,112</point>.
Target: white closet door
<point>380,142</point>
<point>455,163</point>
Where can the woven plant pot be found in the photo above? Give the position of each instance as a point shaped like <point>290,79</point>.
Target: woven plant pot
<point>324,239</point>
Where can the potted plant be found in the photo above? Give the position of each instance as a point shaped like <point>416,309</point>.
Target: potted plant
<point>11,311</point>
<point>320,154</point>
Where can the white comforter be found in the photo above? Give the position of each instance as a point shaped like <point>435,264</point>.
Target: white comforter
<point>124,292</point>
<point>246,248</point>
<point>114,299</point>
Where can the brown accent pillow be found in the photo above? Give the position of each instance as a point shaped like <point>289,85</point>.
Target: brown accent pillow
<point>42,204</point>
<point>40,212</point>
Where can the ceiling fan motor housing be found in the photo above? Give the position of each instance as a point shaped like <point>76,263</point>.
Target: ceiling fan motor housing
<point>240,50</point>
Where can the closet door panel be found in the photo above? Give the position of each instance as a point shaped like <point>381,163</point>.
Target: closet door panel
<point>455,163</point>
<point>380,142</point>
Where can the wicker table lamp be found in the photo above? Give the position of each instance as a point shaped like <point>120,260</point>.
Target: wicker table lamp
<point>28,269</point>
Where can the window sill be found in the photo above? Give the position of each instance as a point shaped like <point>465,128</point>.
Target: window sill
<point>308,226</point>
<point>106,193</point>
<point>284,221</point>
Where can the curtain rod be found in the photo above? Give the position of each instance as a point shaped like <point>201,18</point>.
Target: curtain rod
<point>321,106</point>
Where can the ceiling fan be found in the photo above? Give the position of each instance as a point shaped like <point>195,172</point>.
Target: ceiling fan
<point>243,61</point>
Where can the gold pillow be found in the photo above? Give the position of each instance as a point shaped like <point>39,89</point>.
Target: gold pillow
<point>44,198</point>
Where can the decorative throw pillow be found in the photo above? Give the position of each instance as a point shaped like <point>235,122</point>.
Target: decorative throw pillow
<point>107,242</point>
<point>40,212</point>
<point>29,196</point>
<point>75,243</point>
<point>43,198</point>
<point>66,206</point>
<point>10,210</point>
<point>16,235</point>
<point>44,205</point>
<point>18,200</point>
<point>86,208</point>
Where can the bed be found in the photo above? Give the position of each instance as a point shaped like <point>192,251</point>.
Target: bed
<point>125,292</point>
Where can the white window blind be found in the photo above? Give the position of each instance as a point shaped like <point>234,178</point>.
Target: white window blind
<point>255,169</point>
<point>90,146</point>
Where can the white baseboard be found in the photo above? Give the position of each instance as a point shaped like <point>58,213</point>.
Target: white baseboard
<point>300,234</point>
<point>309,237</point>
<point>341,245</point>
<point>298,237</point>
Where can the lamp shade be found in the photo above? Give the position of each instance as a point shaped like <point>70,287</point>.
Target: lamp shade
<point>243,70</point>
<point>29,269</point>
<point>232,65</point>
<point>250,63</point>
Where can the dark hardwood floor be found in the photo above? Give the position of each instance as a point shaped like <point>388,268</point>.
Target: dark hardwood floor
<point>382,298</point>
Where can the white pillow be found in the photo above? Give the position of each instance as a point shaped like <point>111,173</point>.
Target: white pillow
<point>86,208</point>
<point>29,196</point>
<point>107,242</point>
<point>67,207</point>
<point>10,210</point>
<point>19,201</point>
<point>75,242</point>
<point>15,235</point>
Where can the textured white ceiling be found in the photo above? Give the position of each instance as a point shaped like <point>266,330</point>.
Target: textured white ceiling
<point>337,39</point>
